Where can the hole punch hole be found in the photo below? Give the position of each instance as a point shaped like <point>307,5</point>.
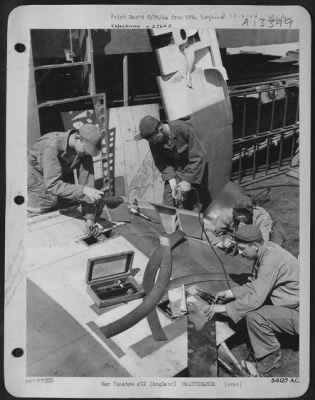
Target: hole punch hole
<point>20,47</point>
<point>183,34</point>
<point>19,200</point>
<point>17,352</point>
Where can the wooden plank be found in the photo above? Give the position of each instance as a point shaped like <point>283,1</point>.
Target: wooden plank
<point>133,160</point>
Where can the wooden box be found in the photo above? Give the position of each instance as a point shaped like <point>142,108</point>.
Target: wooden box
<point>109,280</point>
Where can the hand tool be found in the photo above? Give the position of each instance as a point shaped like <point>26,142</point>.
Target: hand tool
<point>135,210</point>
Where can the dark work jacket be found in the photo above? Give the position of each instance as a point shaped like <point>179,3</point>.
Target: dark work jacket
<point>183,157</point>
<point>50,173</point>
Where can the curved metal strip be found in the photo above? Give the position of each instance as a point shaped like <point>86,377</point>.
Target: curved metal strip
<point>148,283</point>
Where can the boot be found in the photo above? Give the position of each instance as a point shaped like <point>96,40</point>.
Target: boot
<point>271,361</point>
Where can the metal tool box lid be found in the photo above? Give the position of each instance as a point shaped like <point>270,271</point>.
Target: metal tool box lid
<point>112,266</point>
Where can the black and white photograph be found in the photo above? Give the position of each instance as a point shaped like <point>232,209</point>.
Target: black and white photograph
<point>161,179</point>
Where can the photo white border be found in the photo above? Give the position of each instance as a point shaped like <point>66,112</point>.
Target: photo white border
<point>21,20</point>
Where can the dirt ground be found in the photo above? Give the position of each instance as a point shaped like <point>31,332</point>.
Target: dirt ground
<point>283,204</point>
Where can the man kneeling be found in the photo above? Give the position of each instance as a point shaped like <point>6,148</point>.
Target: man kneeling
<point>275,280</point>
<point>51,161</point>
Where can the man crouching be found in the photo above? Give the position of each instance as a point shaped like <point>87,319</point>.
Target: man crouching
<point>269,301</point>
<point>51,161</point>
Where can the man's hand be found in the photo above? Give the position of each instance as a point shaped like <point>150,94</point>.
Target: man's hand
<point>93,229</point>
<point>172,183</point>
<point>224,295</point>
<point>214,309</point>
<point>225,242</point>
<point>180,191</point>
<point>184,186</point>
<point>93,194</point>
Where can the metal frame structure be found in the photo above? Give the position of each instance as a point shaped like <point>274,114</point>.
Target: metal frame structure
<point>248,147</point>
<point>98,100</point>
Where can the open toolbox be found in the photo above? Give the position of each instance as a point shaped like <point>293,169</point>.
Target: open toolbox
<point>109,280</point>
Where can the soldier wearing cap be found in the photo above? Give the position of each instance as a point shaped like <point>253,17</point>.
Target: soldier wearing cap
<point>178,155</point>
<point>51,161</point>
<point>269,301</point>
<point>244,212</point>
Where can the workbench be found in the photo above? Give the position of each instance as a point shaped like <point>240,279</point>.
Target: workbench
<point>57,262</point>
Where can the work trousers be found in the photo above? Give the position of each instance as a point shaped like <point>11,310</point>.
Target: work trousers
<point>265,323</point>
